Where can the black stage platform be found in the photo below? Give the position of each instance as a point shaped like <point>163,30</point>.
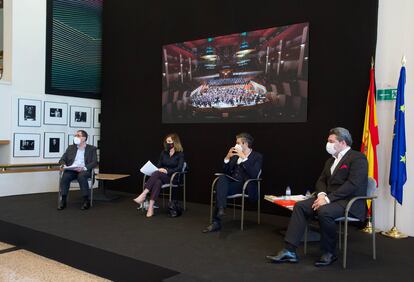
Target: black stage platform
<point>115,241</point>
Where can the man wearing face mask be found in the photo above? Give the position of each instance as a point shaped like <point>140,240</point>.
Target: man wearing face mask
<point>83,158</point>
<point>241,163</point>
<point>344,176</point>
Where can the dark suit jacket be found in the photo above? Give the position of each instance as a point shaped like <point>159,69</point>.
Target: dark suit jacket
<point>349,179</point>
<point>246,170</point>
<point>172,163</point>
<point>91,158</point>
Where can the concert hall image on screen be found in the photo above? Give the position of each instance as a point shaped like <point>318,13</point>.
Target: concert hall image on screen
<point>255,76</point>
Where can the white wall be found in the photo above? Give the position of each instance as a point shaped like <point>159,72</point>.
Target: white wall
<point>395,39</point>
<point>28,33</point>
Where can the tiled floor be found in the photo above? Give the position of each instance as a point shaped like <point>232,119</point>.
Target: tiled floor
<point>21,265</point>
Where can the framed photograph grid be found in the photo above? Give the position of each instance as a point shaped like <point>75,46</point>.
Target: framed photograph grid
<point>68,119</point>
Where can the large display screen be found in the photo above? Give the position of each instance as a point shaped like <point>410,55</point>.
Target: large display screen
<point>255,76</point>
<point>74,41</point>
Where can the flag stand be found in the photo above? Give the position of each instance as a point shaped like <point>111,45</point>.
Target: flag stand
<point>394,232</point>
<point>368,227</point>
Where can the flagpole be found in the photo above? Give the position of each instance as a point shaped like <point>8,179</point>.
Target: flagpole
<point>394,232</point>
<point>368,228</point>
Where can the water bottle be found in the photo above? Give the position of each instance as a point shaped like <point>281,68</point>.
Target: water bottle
<point>308,194</point>
<point>288,193</point>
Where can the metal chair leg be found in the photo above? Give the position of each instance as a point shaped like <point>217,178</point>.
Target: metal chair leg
<point>184,200</point>
<point>91,197</point>
<point>374,247</point>
<point>234,208</point>
<point>340,236</point>
<point>345,242</point>
<point>258,204</point>
<point>305,241</point>
<point>242,213</point>
<point>59,190</point>
<point>212,199</point>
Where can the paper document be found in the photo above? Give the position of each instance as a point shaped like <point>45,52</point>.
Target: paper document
<point>71,167</point>
<point>295,198</point>
<point>148,168</point>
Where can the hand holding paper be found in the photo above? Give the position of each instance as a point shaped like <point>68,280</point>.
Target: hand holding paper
<point>148,168</point>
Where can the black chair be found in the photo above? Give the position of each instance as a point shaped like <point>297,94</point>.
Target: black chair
<point>178,179</point>
<point>91,182</point>
<point>243,195</point>
<point>371,195</point>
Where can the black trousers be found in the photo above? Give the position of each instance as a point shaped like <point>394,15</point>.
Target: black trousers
<point>154,183</point>
<point>225,187</point>
<point>326,214</point>
<point>70,175</point>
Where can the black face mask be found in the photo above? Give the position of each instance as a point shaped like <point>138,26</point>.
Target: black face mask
<point>169,146</point>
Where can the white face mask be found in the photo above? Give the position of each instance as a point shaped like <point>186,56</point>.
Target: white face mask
<point>330,148</point>
<point>238,146</point>
<point>76,140</point>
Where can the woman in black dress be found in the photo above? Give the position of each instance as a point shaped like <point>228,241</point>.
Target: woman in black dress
<point>171,160</point>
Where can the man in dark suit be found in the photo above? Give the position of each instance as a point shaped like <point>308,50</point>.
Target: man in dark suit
<point>81,158</point>
<point>241,163</point>
<point>344,176</point>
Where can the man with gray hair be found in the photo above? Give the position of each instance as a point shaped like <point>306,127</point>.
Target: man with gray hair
<point>344,176</point>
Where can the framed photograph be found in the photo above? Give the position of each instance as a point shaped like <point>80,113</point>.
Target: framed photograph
<point>29,112</point>
<point>26,145</point>
<point>55,113</point>
<point>96,141</point>
<point>96,117</point>
<point>54,145</point>
<point>80,117</point>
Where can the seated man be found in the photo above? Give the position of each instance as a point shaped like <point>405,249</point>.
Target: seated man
<point>344,176</point>
<point>241,163</point>
<point>83,158</point>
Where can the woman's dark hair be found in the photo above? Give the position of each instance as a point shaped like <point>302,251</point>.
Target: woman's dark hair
<point>176,140</point>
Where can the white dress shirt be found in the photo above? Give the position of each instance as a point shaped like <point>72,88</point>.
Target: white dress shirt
<point>80,158</point>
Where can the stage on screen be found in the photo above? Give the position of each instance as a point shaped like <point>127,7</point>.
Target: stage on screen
<point>255,76</point>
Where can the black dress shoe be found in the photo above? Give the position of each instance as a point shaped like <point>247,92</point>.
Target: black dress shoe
<point>284,256</point>
<point>215,226</point>
<point>61,205</point>
<point>86,205</point>
<point>326,259</point>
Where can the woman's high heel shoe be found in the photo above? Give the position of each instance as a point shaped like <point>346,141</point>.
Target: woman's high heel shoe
<point>140,199</point>
<point>150,213</point>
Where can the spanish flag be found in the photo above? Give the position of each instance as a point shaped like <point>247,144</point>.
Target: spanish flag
<point>370,138</point>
